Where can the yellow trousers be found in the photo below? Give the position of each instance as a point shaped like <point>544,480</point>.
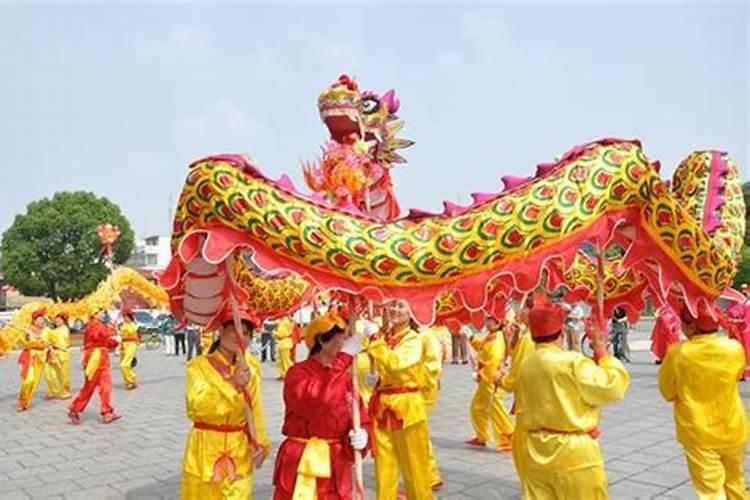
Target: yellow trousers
<point>127,352</point>
<point>717,474</point>
<point>195,489</point>
<point>434,469</point>
<point>402,450</point>
<point>57,376</point>
<point>30,382</point>
<point>519,451</point>
<point>284,361</point>
<point>487,407</point>
<point>589,483</point>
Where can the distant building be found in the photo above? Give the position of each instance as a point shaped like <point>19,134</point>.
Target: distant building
<point>150,254</point>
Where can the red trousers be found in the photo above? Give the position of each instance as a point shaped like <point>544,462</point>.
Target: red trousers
<point>102,380</point>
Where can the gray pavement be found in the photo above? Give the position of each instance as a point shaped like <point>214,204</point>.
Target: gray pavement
<point>139,457</point>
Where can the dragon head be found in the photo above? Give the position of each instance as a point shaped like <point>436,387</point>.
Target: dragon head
<point>353,115</point>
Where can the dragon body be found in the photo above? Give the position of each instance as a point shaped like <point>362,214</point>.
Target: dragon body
<point>110,291</point>
<point>605,191</point>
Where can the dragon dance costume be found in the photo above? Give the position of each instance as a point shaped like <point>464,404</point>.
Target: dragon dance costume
<point>559,396</point>
<point>284,345</point>
<point>487,404</point>
<point>97,341</point>
<point>687,233</point>
<point>316,458</point>
<point>32,360</point>
<point>397,407</point>
<point>57,374</point>
<point>700,376</point>
<point>128,350</point>
<point>521,346</point>
<point>217,463</point>
<point>432,362</point>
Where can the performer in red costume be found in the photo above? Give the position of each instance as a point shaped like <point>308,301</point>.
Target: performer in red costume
<point>315,460</point>
<point>665,333</point>
<point>98,339</point>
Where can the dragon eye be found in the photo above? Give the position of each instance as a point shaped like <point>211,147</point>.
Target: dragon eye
<point>370,105</point>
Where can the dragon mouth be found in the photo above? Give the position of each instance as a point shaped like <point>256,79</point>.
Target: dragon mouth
<point>341,126</point>
<point>341,117</point>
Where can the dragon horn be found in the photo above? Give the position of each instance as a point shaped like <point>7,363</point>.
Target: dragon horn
<point>400,144</point>
<point>392,157</point>
<point>394,127</point>
<point>389,98</point>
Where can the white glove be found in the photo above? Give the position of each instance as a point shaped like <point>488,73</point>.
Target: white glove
<point>358,439</point>
<point>371,380</point>
<point>352,345</point>
<point>369,329</point>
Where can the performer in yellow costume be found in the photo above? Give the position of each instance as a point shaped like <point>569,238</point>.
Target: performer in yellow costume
<point>432,361</point>
<point>487,405</point>
<point>366,376</point>
<point>700,376</point>
<point>128,349</point>
<point>284,345</point>
<point>220,456</point>
<point>560,394</point>
<point>32,359</point>
<point>57,374</point>
<point>207,338</point>
<point>520,347</point>
<point>398,409</point>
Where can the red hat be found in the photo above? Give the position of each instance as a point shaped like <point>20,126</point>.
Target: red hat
<point>63,315</point>
<point>704,322</point>
<point>227,316</point>
<point>545,319</point>
<point>39,313</point>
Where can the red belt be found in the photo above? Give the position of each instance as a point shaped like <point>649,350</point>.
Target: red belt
<point>396,390</point>
<point>226,429</point>
<point>594,432</point>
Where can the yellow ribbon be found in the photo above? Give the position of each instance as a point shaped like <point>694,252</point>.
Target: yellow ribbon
<point>314,463</point>
<point>93,364</point>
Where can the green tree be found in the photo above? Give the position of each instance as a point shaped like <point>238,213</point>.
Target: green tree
<point>53,250</point>
<point>743,273</point>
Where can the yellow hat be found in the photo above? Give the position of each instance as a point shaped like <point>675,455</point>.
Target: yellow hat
<point>321,325</point>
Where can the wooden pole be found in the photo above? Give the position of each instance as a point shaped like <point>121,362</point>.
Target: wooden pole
<point>359,485</point>
<point>241,361</point>
<point>600,286</point>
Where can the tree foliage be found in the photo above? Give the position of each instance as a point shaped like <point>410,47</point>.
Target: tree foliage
<point>53,250</point>
<point>743,273</point>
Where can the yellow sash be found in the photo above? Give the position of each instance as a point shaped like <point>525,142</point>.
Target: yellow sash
<point>93,363</point>
<point>314,463</point>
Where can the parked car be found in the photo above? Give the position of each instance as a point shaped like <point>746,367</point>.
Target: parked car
<point>145,321</point>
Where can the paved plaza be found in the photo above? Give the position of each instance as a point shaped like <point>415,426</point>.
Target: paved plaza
<point>139,457</point>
